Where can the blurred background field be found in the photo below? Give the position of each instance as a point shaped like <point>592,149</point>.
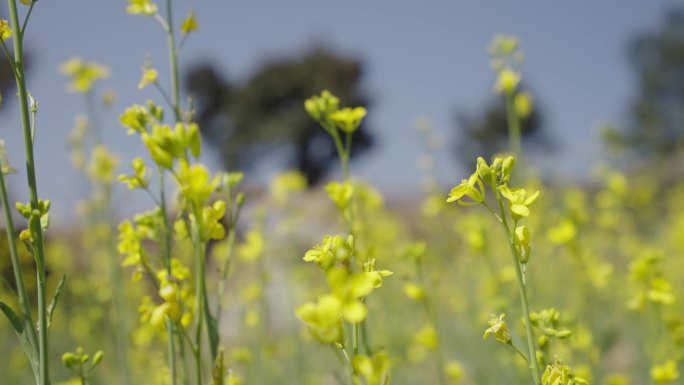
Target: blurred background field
<point>603,144</point>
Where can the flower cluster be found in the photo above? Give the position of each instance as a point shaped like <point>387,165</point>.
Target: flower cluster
<point>335,256</point>
<point>497,176</point>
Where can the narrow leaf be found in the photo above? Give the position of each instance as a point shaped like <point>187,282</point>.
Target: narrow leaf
<point>19,327</point>
<point>55,298</point>
<point>212,328</point>
<point>12,317</point>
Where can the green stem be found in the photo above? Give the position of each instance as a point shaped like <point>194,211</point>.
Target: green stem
<point>166,249</point>
<point>513,127</point>
<point>26,19</point>
<point>520,352</point>
<point>171,350</point>
<point>364,338</point>
<point>39,251</point>
<point>173,61</point>
<point>16,266</point>
<point>181,353</point>
<point>347,362</point>
<point>166,227</point>
<point>224,273</point>
<point>342,152</point>
<point>199,290</point>
<point>8,55</point>
<point>534,367</point>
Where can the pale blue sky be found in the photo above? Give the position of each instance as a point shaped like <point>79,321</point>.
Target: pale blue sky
<point>423,58</point>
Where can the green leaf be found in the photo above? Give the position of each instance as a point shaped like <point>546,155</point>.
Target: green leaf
<point>27,344</point>
<point>55,298</point>
<point>12,318</point>
<point>212,327</point>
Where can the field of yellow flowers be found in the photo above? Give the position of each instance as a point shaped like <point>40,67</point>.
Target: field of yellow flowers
<point>498,280</point>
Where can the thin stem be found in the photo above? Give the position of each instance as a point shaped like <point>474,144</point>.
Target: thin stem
<point>347,361</point>
<point>180,333</point>
<point>234,209</point>
<point>520,352</point>
<point>355,339</point>
<point>341,152</point>
<point>186,337</point>
<point>28,16</point>
<point>224,273</point>
<point>534,367</point>
<point>199,291</point>
<point>166,228</point>
<point>163,93</point>
<point>514,129</point>
<point>170,326</point>
<point>171,350</point>
<point>154,198</point>
<point>22,294</point>
<point>173,61</point>
<point>39,252</point>
<point>364,338</point>
<point>10,60</point>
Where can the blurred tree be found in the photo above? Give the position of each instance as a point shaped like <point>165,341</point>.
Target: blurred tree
<point>485,133</point>
<point>657,114</point>
<point>245,122</point>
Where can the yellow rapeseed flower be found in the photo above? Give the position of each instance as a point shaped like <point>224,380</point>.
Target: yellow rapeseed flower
<point>142,7</point>
<point>189,24</point>
<point>83,74</point>
<point>149,76</point>
<point>5,30</point>
<point>348,119</point>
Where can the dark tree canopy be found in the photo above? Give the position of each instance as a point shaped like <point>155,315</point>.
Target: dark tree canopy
<point>485,133</point>
<point>657,113</point>
<point>244,122</point>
